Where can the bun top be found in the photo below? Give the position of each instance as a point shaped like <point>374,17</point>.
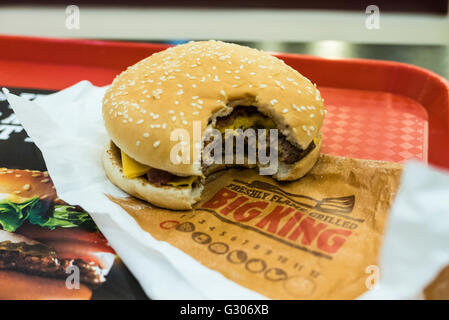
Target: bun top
<point>25,184</point>
<point>191,82</point>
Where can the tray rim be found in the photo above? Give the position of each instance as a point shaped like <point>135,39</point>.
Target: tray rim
<point>124,48</point>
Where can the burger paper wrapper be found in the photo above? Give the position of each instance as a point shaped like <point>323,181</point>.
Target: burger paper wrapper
<point>251,237</point>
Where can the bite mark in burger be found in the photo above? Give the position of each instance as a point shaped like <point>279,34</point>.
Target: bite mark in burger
<point>221,85</point>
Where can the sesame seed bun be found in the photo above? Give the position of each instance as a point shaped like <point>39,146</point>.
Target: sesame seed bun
<point>196,81</point>
<point>27,184</point>
<point>164,196</point>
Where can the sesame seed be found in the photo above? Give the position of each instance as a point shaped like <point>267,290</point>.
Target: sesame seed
<point>312,115</point>
<point>156,143</point>
<point>26,187</point>
<point>171,112</point>
<point>285,110</point>
<point>262,85</point>
<point>184,122</point>
<point>137,143</point>
<point>146,135</point>
<point>173,118</point>
<point>273,102</point>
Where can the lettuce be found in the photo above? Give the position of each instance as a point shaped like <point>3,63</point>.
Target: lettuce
<point>38,212</point>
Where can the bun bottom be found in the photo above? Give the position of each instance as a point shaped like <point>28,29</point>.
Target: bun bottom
<point>288,172</point>
<point>184,198</point>
<point>166,196</point>
<point>285,172</point>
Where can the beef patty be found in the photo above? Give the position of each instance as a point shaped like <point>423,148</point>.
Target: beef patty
<point>49,265</point>
<point>287,152</point>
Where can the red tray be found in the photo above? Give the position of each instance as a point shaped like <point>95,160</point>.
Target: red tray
<point>376,109</point>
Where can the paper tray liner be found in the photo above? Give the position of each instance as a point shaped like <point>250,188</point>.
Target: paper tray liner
<point>309,239</point>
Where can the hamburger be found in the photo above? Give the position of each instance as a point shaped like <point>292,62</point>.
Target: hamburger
<point>216,85</point>
<point>42,237</point>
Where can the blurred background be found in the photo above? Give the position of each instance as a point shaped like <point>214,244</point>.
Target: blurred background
<point>412,31</point>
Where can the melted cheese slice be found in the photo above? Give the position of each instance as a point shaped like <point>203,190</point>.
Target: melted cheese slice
<point>245,122</point>
<point>183,182</point>
<point>132,168</point>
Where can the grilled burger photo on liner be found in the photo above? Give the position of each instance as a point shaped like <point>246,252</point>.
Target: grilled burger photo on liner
<point>41,236</point>
<point>219,85</point>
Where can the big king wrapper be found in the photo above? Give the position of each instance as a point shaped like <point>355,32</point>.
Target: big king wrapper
<point>315,238</point>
